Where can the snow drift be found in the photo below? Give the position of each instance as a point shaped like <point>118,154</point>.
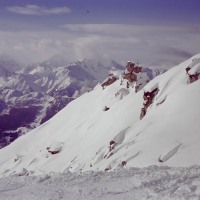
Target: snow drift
<point>85,136</point>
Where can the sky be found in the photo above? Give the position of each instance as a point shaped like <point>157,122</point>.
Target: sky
<point>152,32</point>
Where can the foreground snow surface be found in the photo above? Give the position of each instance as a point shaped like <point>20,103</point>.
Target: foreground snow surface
<point>135,183</point>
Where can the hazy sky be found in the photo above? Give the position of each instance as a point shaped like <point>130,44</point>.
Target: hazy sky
<point>153,32</point>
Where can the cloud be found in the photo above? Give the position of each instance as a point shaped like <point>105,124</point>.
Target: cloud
<point>37,10</point>
<point>149,45</point>
<point>177,52</point>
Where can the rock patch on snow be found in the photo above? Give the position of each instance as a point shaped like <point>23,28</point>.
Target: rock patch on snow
<point>55,147</point>
<point>193,70</point>
<point>148,100</point>
<point>110,80</point>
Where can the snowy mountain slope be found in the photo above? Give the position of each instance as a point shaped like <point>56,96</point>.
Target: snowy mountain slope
<point>35,94</point>
<point>86,136</point>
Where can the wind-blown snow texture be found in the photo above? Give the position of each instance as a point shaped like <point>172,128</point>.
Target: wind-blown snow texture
<point>79,135</point>
<point>147,183</point>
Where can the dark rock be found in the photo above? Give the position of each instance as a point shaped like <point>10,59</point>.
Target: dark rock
<point>111,79</point>
<point>148,100</point>
<point>53,152</point>
<point>123,163</point>
<point>106,108</point>
<point>131,72</point>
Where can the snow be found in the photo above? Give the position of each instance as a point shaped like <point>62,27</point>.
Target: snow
<point>55,147</point>
<point>195,69</point>
<point>167,135</point>
<point>153,158</point>
<point>135,183</point>
<point>119,138</point>
<point>121,93</point>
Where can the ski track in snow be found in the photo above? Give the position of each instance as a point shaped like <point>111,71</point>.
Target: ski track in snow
<point>135,183</point>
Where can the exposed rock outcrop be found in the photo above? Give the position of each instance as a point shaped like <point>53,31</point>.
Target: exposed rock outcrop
<point>131,72</point>
<point>193,71</point>
<point>148,100</point>
<point>132,67</point>
<point>135,76</point>
<point>110,80</point>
